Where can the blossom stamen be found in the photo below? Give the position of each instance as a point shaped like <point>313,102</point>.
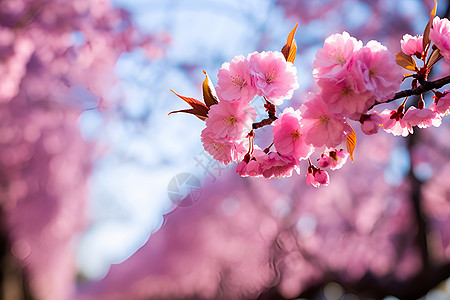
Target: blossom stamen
<point>237,81</point>
<point>270,76</point>
<point>295,135</point>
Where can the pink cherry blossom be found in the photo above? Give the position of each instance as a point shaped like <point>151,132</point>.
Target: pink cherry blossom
<point>337,50</point>
<point>440,36</point>
<point>422,118</point>
<point>223,150</point>
<point>252,168</point>
<point>371,123</point>
<point>230,120</point>
<point>374,69</point>
<point>324,161</point>
<point>342,96</point>
<point>273,76</point>
<point>393,122</point>
<point>442,105</point>
<point>320,126</point>
<point>235,81</point>
<point>412,44</point>
<point>240,168</point>
<point>276,165</point>
<point>288,138</point>
<point>317,177</point>
<point>333,158</point>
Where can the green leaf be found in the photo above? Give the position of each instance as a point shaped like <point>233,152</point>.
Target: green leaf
<point>209,92</point>
<point>351,142</point>
<point>405,61</point>
<point>199,109</point>
<point>290,49</point>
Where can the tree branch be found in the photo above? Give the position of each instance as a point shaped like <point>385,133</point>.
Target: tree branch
<point>14,283</point>
<point>264,122</point>
<point>424,87</point>
<point>416,199</point>
<point>271,111</point>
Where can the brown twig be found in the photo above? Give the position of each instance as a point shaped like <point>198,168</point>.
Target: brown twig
<point>424,87</point>
<point>264,122</point>
<point>271,111</point>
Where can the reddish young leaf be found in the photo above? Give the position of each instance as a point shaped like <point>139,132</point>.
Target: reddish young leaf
<point>289,50</point>
<point>209,92</point>
<point>434,58</point>
<point>351,143</point>
<point>405,61</point>
<point>190,111</point>
<point>199,109</point>
<point>292,52</point>
<point>433,12</point>
<point>426,34</point>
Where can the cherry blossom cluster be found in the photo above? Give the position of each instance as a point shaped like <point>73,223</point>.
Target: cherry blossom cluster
<point>228,135</point>
<point>351,79</point>
<point>401,121</point>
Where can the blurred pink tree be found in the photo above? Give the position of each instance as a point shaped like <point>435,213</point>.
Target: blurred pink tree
<point>57,58</point>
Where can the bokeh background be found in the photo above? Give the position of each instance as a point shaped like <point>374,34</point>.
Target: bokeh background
<point>105,196</point>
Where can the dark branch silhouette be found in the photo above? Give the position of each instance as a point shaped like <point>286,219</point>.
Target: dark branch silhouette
<point>424,87</point>
<point>264,122</point>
